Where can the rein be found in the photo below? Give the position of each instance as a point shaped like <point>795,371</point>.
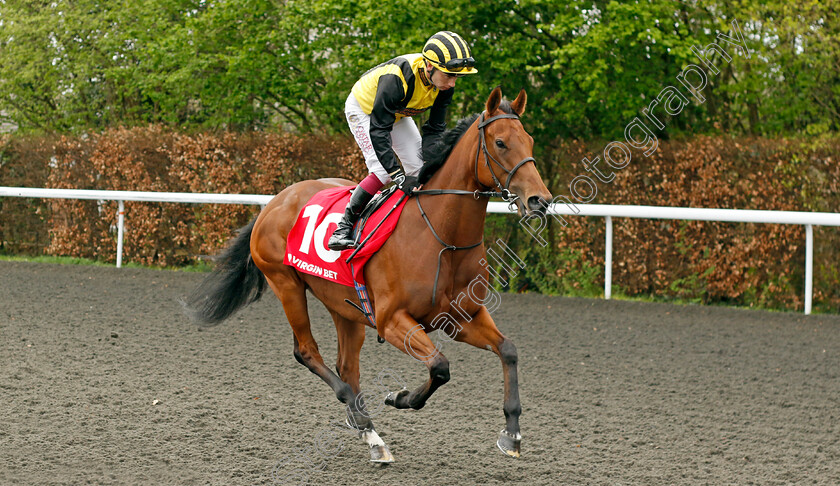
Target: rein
<point>504,192</point>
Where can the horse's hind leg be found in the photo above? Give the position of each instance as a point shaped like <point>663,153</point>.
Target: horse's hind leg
<point>292,294</point>
<point>351,337</point>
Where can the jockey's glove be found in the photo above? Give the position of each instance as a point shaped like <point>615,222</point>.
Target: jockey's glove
<point>405,183</point>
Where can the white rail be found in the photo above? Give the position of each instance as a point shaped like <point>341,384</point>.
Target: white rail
<point>174,197</point>
<point>807,219</point>
<point>122,196</point>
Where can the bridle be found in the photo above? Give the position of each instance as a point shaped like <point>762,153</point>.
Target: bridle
<point>504,191</point>
<point>482,144</point>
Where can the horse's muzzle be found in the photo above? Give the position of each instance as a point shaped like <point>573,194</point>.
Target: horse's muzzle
<point>537,205</point>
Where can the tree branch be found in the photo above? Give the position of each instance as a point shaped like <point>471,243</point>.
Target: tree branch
<point>533,22</point>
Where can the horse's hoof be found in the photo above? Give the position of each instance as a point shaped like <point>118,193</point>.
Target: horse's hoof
<point>393,398</point>
<point>509,443</point>
<point>380,454</point>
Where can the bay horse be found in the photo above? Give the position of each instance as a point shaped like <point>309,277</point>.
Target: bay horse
<point>407,293</point>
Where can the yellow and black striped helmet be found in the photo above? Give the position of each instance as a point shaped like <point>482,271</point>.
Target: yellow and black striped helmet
<point>448,52</point>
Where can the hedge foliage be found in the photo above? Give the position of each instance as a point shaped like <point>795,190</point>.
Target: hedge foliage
<point>153,159</point>
<point>748,264</point>
<point>740,263</point>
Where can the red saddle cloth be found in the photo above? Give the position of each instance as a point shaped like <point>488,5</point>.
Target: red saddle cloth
<point>306,246</point>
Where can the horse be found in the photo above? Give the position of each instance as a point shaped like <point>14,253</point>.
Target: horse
<point>444,237</point>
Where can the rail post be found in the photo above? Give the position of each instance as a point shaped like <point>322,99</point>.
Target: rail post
<point>608,260</point>
<point>120,230</point>
<point>809,266</point>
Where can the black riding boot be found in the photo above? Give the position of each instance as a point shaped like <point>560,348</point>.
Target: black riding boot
<point>342,238</point>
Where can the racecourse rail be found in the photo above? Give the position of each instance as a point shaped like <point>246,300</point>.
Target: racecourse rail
<point>807,219</point>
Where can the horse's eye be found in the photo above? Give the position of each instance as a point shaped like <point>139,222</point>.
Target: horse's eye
<point>500,144</point>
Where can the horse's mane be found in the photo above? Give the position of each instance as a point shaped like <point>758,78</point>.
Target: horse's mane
<point>436,155</point>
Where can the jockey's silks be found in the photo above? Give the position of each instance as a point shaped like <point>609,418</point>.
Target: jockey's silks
<point>395,89</point>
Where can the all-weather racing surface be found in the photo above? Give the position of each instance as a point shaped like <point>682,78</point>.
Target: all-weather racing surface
<point>103,380</point>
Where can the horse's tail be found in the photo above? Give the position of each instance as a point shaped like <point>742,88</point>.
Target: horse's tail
<point>234,283</point>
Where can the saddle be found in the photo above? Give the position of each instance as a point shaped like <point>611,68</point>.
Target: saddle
<point>377,202</point>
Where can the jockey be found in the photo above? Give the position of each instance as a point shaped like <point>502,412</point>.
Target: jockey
<point>379,111</point>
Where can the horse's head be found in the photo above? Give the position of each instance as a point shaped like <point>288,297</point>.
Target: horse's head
<point>508,163</point>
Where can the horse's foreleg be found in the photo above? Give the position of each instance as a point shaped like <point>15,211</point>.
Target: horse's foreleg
<point>351,337</point>
<point>405,334</point>
<point>482,333</point>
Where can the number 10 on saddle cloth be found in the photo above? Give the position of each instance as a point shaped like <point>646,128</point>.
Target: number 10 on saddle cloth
<point>306,246</point>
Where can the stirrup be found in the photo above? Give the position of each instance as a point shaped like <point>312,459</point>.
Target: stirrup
<point>341,247</point>
<point>341,243</point>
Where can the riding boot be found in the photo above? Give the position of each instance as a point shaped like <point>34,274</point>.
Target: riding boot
<point>342,238</point>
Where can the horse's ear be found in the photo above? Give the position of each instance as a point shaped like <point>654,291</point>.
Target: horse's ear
<point>494,100</point>
<point>518,105</point>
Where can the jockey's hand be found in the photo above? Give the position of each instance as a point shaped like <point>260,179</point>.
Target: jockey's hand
<point>405,183</point>
<point>409,184</point>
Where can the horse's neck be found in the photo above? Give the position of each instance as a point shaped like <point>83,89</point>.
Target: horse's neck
<point>463,215</point>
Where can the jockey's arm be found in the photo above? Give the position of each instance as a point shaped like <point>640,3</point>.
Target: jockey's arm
<point>436,124</point>
<point>389,95</point>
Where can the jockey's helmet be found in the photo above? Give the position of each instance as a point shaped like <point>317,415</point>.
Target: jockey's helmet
<point>448,52</point>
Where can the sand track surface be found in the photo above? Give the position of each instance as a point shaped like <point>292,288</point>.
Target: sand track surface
<point>104,381</point>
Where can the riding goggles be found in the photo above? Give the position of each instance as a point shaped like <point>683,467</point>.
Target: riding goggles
<point>458,65</point>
